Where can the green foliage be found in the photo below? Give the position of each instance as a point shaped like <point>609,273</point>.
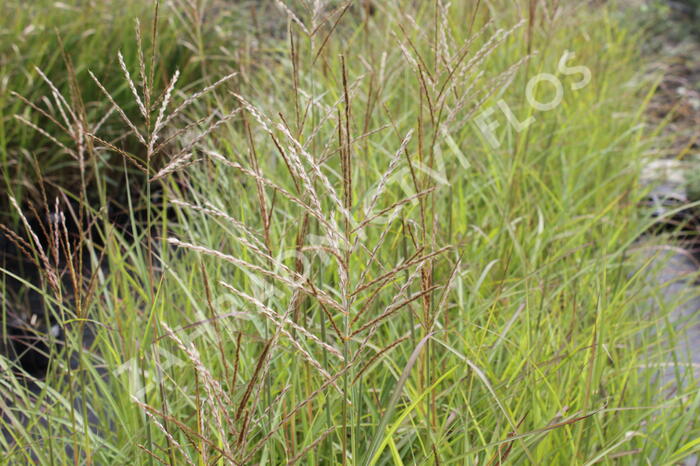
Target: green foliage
<point>356,274</point>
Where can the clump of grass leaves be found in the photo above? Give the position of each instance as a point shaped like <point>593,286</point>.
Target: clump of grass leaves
<point>345,270</point>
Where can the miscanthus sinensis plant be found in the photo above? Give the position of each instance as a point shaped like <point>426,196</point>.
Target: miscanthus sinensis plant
<point>345,269</point>
<point>327,298</point>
